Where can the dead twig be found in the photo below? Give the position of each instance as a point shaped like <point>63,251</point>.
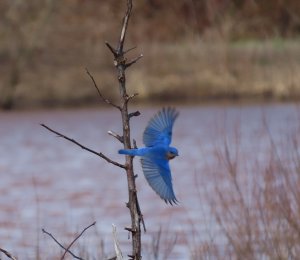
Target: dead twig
<point>141,217</point>
<point>115,135</point>
<point>113,51</point>
<point>57,242</point>
<point>134,144</point>
<point>130,49</point>
<point>124,27</point>
<point>107,101</point>
<point>76,238</point>
<point>133,61</point>
<point>85,148</point>
<point>136,113</point>
<point>9,255</point>
<point>130,97</point>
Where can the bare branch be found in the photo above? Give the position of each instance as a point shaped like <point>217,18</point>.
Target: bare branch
<point>121,64</point>
<point>112,258</point>
<point>85,148</point>
<point>124,27</point>
<point>56,241</point>
<point>140,214</point>
<point>130,49</point>
<point>99,92</point>
<point>113,51</point>
<point>128,98</point>
<point>9,255</point>
<point>134,144</point>
<point>133,61</point>
<point>115,135</point>
<point>136,113</point>
<point>81,233</point>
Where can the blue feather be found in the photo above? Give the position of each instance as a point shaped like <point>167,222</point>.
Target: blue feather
<point>155,156</point>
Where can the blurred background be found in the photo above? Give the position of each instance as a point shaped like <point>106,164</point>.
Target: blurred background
<point>239,185</point>
<point>193,51</point>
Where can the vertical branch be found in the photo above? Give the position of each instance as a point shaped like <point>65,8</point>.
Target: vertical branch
<point>124,27</point>
<point>121,65</point>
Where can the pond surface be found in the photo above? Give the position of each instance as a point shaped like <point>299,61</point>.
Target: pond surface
<point>48,182</point>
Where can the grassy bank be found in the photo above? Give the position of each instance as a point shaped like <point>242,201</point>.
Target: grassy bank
<point>205,70</point>
<point>184,71</point>
<point>198,51</point>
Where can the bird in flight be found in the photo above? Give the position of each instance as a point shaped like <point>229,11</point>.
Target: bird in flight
<point>157,152</point>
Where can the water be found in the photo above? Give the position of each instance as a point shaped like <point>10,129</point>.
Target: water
<point>48,182</point>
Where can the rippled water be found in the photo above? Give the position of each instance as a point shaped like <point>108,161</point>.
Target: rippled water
<point>48,182</point>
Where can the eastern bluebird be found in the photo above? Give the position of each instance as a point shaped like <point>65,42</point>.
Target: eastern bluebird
<point>157,153</point>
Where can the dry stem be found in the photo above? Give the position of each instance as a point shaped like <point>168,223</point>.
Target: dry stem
<point>121,64</point>
<point>84,147</point>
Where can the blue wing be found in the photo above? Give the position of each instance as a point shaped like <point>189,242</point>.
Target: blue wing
<point>158,175</point>
<point>159,128</point>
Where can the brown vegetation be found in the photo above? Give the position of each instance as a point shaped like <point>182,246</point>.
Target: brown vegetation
<point>46,45</point>
<point>255,202</point>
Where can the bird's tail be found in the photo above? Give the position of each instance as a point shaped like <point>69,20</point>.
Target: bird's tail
<point>133,152</point>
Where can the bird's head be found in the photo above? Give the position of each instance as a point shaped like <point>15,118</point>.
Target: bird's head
<point>172,153</point>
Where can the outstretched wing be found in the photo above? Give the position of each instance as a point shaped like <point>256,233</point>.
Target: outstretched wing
<point>158,175</point>
<point>159,128</point>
